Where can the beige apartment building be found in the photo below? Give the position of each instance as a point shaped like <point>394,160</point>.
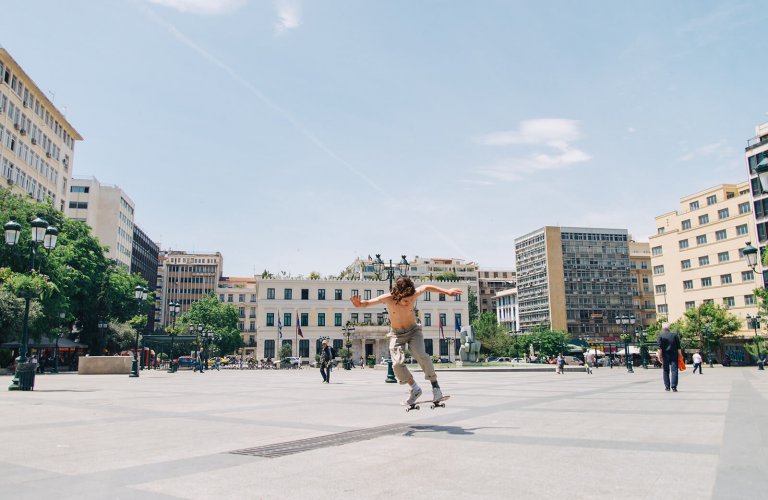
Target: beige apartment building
<point>242,294</point>
<point>108,210</point>
<point>696,254</point>
<point>643,305</point>
<point>37,143</point>
<point>421,268</point>
<point>490,282</point>
<point>185,278</point>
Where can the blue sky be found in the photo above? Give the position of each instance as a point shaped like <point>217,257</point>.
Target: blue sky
<point>296,135</point>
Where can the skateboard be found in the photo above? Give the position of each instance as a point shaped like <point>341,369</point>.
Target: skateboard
<point>433,405</point>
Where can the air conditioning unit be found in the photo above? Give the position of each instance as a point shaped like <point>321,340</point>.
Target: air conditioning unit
<point>33,141</point>
<point>48,154</point>
<point>23,131</point>
<point>16,126</point>
<point>9,181</point>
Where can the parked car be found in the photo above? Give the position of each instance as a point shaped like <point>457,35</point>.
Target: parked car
<point>294,361</point>
<point>186,362</point>
<point>573,360</point>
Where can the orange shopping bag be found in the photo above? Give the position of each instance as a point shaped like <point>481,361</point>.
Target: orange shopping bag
<point>680,363</point>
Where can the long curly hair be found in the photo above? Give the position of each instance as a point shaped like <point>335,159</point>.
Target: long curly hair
<point>403,288</point>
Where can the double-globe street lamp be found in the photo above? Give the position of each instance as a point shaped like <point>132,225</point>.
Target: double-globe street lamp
<point>348,330</point>
<point>751,256</point>
<point>140,294</point>
<point>173,308</point>
<point>207,338</point>
<point>625,320</point>
<point>755,322</point>
<point>41,232</point>
<point>642,335</point>
<point>402,268</point>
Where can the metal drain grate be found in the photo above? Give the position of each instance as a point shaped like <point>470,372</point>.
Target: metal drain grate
<point>301,445</point>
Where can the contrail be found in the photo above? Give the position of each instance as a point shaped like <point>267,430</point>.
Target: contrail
<point>282,112</point>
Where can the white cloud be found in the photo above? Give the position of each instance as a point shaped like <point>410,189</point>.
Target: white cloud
<point>716,149</point>
<point>288,16</point>
<point>205,7</point>
<point>554,133</point>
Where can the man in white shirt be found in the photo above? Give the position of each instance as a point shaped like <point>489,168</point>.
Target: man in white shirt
<point>697,362</point>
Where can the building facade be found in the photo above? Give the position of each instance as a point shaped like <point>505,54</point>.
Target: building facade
<point>490,282</point>
<point>696,253</point>
<point>37,143</point>
<point>755,152</point>
<point>145,258</point>
<point>641,277</point>
<point>506,309</point>
<point>419,268</point>
<point>573,279</point>
<point>322,309</point>
<point>242,294</point>
<point>108,211</point>
<point>185,278</point>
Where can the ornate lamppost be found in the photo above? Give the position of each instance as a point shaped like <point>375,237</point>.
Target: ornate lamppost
<point>402,268</point>
<point>207,337</point>
<point>140,294</point>
<point>755,321</point>
<point>625,320</point>
<point>41,232</point>
<point>173,308</point>
<point>102,326</point>
<point>750,254</point>
<point>642,335</point>
<point>348,330</point>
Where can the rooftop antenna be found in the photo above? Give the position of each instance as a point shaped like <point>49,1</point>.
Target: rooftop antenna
<point>53,95</point>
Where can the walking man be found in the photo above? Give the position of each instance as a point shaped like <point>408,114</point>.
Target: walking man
<point>697,362</point>
<point>668,352</point>
<point>326,362</point>
<point>404,329</point>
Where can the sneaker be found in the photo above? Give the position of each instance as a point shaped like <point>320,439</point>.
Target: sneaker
<point>674,389</point>
<point>415,393</point>
<point>437,394</point>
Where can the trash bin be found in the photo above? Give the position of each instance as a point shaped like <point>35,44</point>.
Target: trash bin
<point>26,376</point>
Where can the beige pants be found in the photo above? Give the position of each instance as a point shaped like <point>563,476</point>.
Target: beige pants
<point>415,340</point>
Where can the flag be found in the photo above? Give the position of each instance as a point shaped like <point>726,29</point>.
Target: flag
<point>440,323</point>
<point>298,326</point>
<point>458,324</point>
<point>279,326</point>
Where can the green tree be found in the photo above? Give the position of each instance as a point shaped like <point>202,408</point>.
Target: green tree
<point>709,318</point>
<point>494,340</point>
<point>548,342</point>
<point>267,275</point>
<point>447,276</point>
<point>216,317</point>
<point>314,275</point>
<point>472,303</point>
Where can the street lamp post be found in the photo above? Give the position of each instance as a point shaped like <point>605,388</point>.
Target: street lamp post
<point>755,320</point>
<point>625,320</point>
<point>642,334</point>
<point>140,294</point>
<point>41,232</point>
<point>348,330</point>
<point>102,326</point>
<point>750,254</point>
<point>402,268</point>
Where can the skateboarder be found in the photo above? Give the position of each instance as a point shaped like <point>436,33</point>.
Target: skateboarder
<point>404,330</point>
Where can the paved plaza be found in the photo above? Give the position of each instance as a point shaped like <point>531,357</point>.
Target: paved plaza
<point>232,434</point>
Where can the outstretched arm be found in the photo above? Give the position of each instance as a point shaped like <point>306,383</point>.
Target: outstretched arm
<point>437,289</point>
<point>381,299</point>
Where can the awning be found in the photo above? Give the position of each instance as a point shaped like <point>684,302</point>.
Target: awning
<point>46,343</point>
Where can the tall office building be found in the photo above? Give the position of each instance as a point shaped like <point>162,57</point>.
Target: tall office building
<point>145,257</point>
<point>643,304</point>
<point>755,153</point>
<point>696,253</point>
<point>37,143</point>
<point>185,278</point>
<point>573,279</point>
<point>108,211</point>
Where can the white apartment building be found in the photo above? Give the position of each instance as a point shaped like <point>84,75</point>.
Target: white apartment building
<point>322,309</point>
<point>506,309</point>
<point>108,210</point>
<point>419,268</point>
<point>37,143</point>
<point>696,254</point>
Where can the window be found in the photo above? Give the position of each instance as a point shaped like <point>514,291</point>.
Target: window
<point>723,257</point>
<point>304,348</point>
<point>685,264</point>
<point>305,319</point>
<point>338,344</point>
<point>690,305</point>
<point>321,294</point>
<point>742,230</point>
<point>78,204</point>
<point>270,293</point>
<point>427,296</point>
<point>379,293</point>
<point>749,300</point>
<point>456,319</point>
<point>661,288</point>
<point>729,301</point>
<point>457,298</point>
<point>287,293</point>
<point>367,319</point>
<point>662,308</point>
<point>725,279</point>
<point>656,250</point>
<point>722,213</point>
<point>427,319</point>
<point>706,282</point>
<point>241,312</point>
<point>703,219</point>
<point>658,269</point>
<point>720,235</point>
<point>337,294</point>
<point>287,319</point>
<point>270,319</point>
<point>336,319</point>
<point>712,199</point>
<point>694,205</point>
<point>269,348</point>
<point>443,319</point>
<point>744,207</point>
<point>354,292</point>
<point>660,231</point>
<point>253,297</point>
<point>230,297</point>
<point>688,285</point>
<point>79,189</point>
<point>366,294</point>
<point>428,346</point>
<point>686,224</point>
<point>305,294</point>
<point>354,318</point>
<point>701,239</point>
<point>443,347</point>
<point>241,297</point>
<point>683,244</point>
<point>747,276</point>
<point>704,261</point>
<point>441,297</point>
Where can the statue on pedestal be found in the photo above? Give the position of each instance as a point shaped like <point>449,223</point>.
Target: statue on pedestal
<point>469,349</point>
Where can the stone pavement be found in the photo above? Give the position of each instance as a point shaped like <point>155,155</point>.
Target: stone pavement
<point>501,435</point>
